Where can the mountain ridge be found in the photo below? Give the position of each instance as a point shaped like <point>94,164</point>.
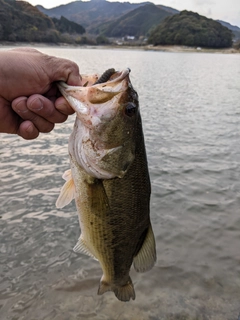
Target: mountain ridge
<point>88,12</point>
<point>20,21</point>
<point>191,29</point>
<point>126,7</point>
<point>137,22</point>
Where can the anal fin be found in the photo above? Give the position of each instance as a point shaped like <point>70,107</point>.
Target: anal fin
<point>81,247</point>
<point>104,287</point>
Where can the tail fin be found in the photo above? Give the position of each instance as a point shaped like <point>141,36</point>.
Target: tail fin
<point>123,293</point>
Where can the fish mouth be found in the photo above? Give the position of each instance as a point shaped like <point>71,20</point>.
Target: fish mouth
<point>95,90</point>
<point>110,76</point>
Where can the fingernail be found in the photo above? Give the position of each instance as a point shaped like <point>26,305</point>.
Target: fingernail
<point>36,105</point>
<point>21,106</point>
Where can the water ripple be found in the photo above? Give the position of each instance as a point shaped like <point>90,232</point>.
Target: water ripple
<point>190,110</point>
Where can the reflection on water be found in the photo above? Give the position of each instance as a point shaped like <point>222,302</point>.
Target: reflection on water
<point>191,114</point>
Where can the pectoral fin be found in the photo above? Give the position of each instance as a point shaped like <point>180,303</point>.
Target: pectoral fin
<point>67,175</point>
<point>67,192</point>
<point>146,256</point>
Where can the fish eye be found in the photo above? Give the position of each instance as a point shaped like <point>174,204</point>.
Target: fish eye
<point>130,109</point>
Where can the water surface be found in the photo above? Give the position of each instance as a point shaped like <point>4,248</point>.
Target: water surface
<point>190,105</point>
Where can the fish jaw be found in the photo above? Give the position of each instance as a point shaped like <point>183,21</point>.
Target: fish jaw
<point>102,139</point>
<point>91,102</point>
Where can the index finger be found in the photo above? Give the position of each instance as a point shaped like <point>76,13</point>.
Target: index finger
<point>64,70</point>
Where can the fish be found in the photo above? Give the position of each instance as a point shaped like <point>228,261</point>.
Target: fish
<point>109,179</point>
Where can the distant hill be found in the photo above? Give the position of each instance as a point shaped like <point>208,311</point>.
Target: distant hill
<point>235,29</point>
<point>20,21</point>
<point>99,16</point>
<point>191,29</point>
<point>90,14</point>
<point>136,23</point>
<point>64,25</point>
<point>168,9</point>
<point>228,25</point>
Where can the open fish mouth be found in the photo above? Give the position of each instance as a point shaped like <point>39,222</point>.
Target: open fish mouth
<point>106,76</point>
<point>96,90</point>
<point>110,77</point>
<point>112,74</point>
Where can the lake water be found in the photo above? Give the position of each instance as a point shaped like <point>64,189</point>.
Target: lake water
<point>190,105</point>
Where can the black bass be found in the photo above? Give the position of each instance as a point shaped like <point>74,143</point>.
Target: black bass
<point>109,179</point>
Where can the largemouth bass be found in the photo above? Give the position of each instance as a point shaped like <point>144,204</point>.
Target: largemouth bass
<point>109,179</point>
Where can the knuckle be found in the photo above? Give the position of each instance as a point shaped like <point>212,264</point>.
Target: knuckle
<point>32,117</point>
<point>47,127</point>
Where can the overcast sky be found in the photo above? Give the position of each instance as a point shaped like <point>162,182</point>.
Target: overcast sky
<point>227,10</point>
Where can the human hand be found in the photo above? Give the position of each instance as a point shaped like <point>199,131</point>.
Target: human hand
<point>29,99</point>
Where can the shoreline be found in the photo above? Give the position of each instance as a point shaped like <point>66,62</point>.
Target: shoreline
<point>160,48</point>
<point>191,49</point>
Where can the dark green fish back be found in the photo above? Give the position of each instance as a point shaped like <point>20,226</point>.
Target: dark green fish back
<point>129,206</point>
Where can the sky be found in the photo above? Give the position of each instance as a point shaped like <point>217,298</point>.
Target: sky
<point>226,10</point>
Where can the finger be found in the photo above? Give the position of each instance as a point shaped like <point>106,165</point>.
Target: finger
<point>19,105</point>
<point>52,93</point>
<point>25,49</point>
<point>9,120</point>
<point>64,70</point>
<point>62,106</point>
<point>74,79</point>
<point>45,108</point>
<point>27,130</point>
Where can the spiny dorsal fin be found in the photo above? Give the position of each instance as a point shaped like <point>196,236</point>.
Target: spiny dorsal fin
<point>81,247</point>
<point>67,193</point>
<point>146,256</point>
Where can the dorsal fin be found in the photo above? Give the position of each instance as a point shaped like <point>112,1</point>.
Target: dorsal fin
<point>146,256</point>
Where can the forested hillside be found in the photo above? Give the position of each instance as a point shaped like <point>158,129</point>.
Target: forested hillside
<point>235,29</point>
<point>101,20</point>
<point>64,25</point>
<point>190,29</point>
<point>20,21</point>
<point>136,23</point>
<point>91,13</point>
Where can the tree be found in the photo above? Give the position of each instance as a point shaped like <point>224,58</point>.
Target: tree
<point>190,29</point>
